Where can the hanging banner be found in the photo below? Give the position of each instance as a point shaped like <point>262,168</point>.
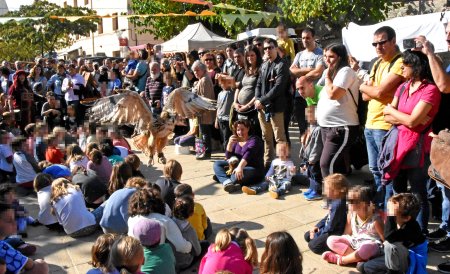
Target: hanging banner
<point>229,18</point>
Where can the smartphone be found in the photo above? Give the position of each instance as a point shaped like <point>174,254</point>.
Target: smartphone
<point>409,43</point>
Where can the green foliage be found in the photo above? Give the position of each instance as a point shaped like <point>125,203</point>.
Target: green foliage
<point>45,35</point>
<point>337,13</point>
<point>167,27</point>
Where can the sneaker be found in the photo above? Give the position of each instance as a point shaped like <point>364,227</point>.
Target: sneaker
<point>437,234</point>
<point>444,267</point>
<point>306,193</point>
<point>273,194</point>
<point>248,191</point>
<point>216,179</point>
<point>313,196</point>
<point>230,188</point>
<point>441,246</point>
<point>331,257</point>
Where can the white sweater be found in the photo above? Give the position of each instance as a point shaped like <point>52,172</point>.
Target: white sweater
<point>169,230</point>
<point>45,216</point>
<point>72,213</point>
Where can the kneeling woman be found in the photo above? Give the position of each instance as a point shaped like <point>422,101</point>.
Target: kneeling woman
<point>249,151</point>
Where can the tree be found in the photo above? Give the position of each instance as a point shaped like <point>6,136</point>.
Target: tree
<point>167,27</point>
<point>336,14</point>
<point>44,35</point>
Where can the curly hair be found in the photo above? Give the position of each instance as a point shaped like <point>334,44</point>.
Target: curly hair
<point>145,201</point>
<point>60,188</point>
<point>408,204</point>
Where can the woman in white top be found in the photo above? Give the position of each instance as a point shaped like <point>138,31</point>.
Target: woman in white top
<point>147,203</point>
<point>70,209</point>
<point>337,111</point>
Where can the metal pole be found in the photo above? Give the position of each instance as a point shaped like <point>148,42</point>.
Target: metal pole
<point>92,35</point>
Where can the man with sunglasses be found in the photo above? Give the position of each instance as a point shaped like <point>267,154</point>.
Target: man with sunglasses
<point>271,98</point>
<point>385,77</point>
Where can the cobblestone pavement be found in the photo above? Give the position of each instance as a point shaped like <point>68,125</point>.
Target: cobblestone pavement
<point>259,214</point>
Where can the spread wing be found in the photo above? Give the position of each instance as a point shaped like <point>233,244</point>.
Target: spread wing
<point>187,104</point>
<point>126,108</point>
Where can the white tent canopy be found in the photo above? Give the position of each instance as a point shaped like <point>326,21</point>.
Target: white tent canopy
<point>358,39</point>
<point>193,37</point>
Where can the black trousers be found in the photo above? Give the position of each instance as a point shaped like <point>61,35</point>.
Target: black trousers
<point>318,244</point>
<point>335,156</point>
<point>225,132</point>
<point>299,112</point>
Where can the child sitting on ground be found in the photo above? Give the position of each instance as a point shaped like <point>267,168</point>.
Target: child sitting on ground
<point>53,154</point>
<point>8,196</point>
<point>70,209</point>
<point>134,161</point>
<point>183,208</point>
<point>43,185</point>
<point>247,245</point>
<point>15,260</point>
<point>127,255</point>
<point>334,223</point>
<point>6,158</point>
<point>224,254</point>
<point>172,177</point>
<point>25,165</point>
<point>100,254</point>
<point>363,234</point>
<point>278,178</point>
<point>159,257</point>
<point>281,255</point>
<point>198,220</point>
<point>402,233</point>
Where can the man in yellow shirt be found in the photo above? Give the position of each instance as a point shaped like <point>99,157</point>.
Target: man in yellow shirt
<point>385,77</point>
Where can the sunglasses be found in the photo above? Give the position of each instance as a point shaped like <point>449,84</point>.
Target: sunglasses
<point>201,53</point>
<point>258,44</point>
<point>209,59</point>
<point>269,48</point>
<point>379,43</point>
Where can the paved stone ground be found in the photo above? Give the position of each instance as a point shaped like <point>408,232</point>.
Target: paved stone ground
<point>259,214</point>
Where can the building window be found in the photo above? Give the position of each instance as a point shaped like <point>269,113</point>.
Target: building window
<point>75,3</point>
<point>115,22</point>
<point>100,26</point>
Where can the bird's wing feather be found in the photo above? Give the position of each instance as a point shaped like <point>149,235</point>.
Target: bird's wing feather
<point>126,108</point>
<point>187,104</point>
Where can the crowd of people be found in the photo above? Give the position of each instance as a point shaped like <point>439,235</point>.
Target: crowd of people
<point>87,177</point>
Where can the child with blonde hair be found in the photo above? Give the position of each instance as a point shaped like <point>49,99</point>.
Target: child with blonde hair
<point>363,234</point>
<point>247,245</point>
<point>225,254</point>
<point>334,222</point>
<point>70,209</point>
<point>172,177</point>
<point>127,255</point>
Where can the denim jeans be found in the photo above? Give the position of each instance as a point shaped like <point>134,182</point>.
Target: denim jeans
<point>251,175</point>
<point>374,137</point>
<point>417,179</point>
<point>284,185</point>
<point>445,208</point>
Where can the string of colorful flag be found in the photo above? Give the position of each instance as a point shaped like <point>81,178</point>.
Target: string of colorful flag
<point>244,15</point>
